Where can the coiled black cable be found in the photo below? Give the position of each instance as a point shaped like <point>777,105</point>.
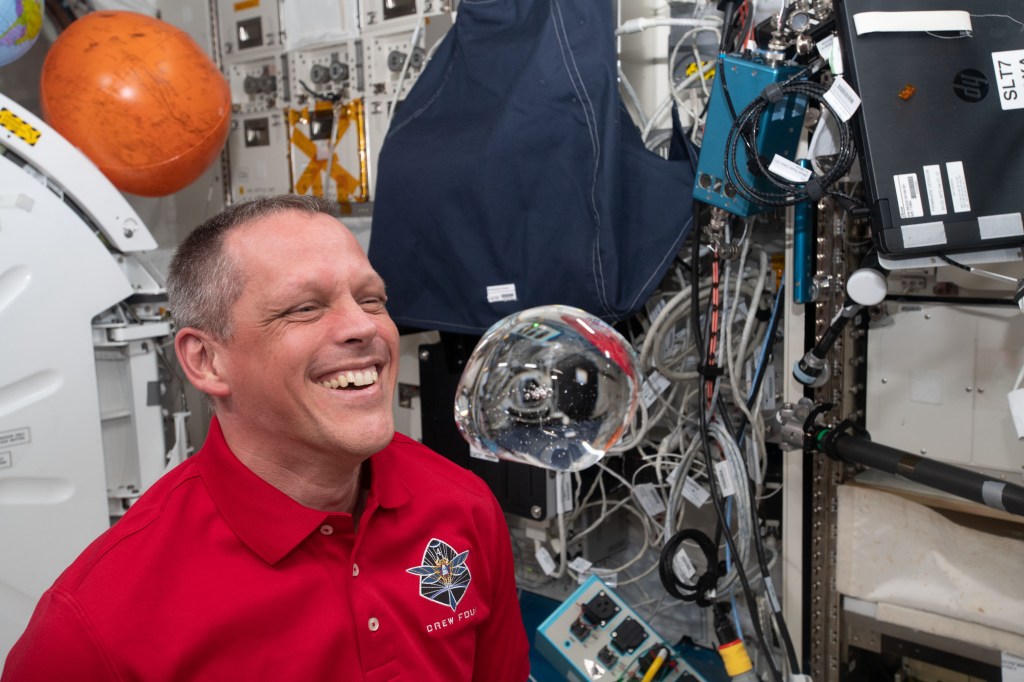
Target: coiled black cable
<point>745,128</point>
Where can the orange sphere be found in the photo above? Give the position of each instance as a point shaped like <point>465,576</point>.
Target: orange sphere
<point>139,97</point>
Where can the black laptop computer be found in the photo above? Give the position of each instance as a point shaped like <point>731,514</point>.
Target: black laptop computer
<point>941,124</point>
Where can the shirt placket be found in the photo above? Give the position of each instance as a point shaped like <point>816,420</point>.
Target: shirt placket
<point>375,631</point>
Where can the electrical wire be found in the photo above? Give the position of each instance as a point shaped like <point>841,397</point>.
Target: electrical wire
<point>420,23</point>
<point>745,129</point>
<point>706,445</point>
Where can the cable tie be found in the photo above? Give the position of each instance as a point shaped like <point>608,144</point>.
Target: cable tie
<point>710,371</point>
<point>814,189</point>
<point>772,92</point>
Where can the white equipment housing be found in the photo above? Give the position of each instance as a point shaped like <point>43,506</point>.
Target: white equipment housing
<point>81,314</point>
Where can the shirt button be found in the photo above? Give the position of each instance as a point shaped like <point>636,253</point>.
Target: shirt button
<point>374,624</point>
<point>326,529</point>
<point>355,570</point>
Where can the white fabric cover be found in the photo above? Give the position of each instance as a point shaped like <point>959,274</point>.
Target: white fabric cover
<point>892,551</point>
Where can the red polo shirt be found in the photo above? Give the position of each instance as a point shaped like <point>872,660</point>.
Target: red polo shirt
<point>216,575</point>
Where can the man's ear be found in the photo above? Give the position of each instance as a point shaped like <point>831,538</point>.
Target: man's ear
<point>198,354</point>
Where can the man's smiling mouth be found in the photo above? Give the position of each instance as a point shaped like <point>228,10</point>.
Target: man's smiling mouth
<point>351,379</point>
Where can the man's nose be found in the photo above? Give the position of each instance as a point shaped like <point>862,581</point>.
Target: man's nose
<point>352,324</point>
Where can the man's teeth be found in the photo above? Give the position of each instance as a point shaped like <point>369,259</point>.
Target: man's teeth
<point>352,378</point>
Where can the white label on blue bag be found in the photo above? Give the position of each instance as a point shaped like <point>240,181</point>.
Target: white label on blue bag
<point>501,292</point>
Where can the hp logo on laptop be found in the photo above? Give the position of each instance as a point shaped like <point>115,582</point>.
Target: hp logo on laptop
<point>970,85</point>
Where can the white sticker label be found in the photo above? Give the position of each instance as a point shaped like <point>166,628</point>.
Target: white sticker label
<point>826,48</point>
<point>1002,225</point>
<point>654,386</point>
<point>501,292</point>
<point>21,436</point>
<point>695,492</point>
<point>478,453</point>
<point>684,568</point>
<point>547,564</point>
<point>647,495</point>
<point>768,388</point>
<point>958,186</point>
<point>789,170</point>
<point>917,21</point>
<point>1009,68</point>
<point>1013,668</point>
<point>923,234</point>
<point>610,578</point>
<point>580,565</point>
<point>908,195</point>
<point>936,193</point>
<point>723,474</point>
<point>843,99</point>
<point>565,501</point>
<point>769,588</point>
<point>656,309</point>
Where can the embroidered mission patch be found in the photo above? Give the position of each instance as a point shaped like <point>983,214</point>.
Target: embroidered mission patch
<point>444,575</point>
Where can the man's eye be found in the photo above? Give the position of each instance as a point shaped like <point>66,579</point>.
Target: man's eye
<point>305,308</point>
<point>374,303</point>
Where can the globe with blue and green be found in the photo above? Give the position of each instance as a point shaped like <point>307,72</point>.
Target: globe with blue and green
<point>20,21</point>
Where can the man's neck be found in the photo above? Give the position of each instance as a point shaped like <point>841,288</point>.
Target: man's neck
<point>331,488</point>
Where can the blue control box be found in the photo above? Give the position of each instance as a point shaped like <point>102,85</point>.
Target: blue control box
<point>779,130</point>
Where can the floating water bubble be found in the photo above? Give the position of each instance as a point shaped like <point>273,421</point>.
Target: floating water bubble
<point>552,386</point>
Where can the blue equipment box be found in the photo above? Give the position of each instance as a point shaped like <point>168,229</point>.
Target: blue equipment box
<point>779,130</point>
<point>595,635</point>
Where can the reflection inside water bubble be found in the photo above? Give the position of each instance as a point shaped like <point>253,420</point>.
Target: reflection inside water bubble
<point>552,386</point>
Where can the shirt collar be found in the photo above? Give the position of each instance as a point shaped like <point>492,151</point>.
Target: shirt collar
<point>269,522</point>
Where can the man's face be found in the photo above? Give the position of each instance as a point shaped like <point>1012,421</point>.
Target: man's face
<point>313,359</point>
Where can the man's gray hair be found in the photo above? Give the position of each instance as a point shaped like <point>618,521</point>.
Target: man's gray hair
<point>204,281</point>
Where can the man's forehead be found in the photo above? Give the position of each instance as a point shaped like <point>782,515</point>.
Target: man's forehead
<point>283,223</point>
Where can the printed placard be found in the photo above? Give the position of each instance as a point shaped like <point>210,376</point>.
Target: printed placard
<point>908,196</point>
<point>958,186</point>
<point>936,192</point>
<point>789,170</point>
<point>654,386</point>
<point>478,453</point>
<point>565,500</point>
<point>843,99</point>
<point>647,495</point>
<point>723,474</point>
<point>695,492</point>
<point>684,568</point>
<point>1009,68</point>
<point>501,292</point>
<point>547,564</point>
<point>22,436</point>
<point>1013,668</point>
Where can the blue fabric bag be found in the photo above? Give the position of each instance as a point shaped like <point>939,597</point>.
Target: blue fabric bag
<point>512,176</point>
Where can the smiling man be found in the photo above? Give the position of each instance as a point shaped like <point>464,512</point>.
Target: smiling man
<point>306,540</point>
